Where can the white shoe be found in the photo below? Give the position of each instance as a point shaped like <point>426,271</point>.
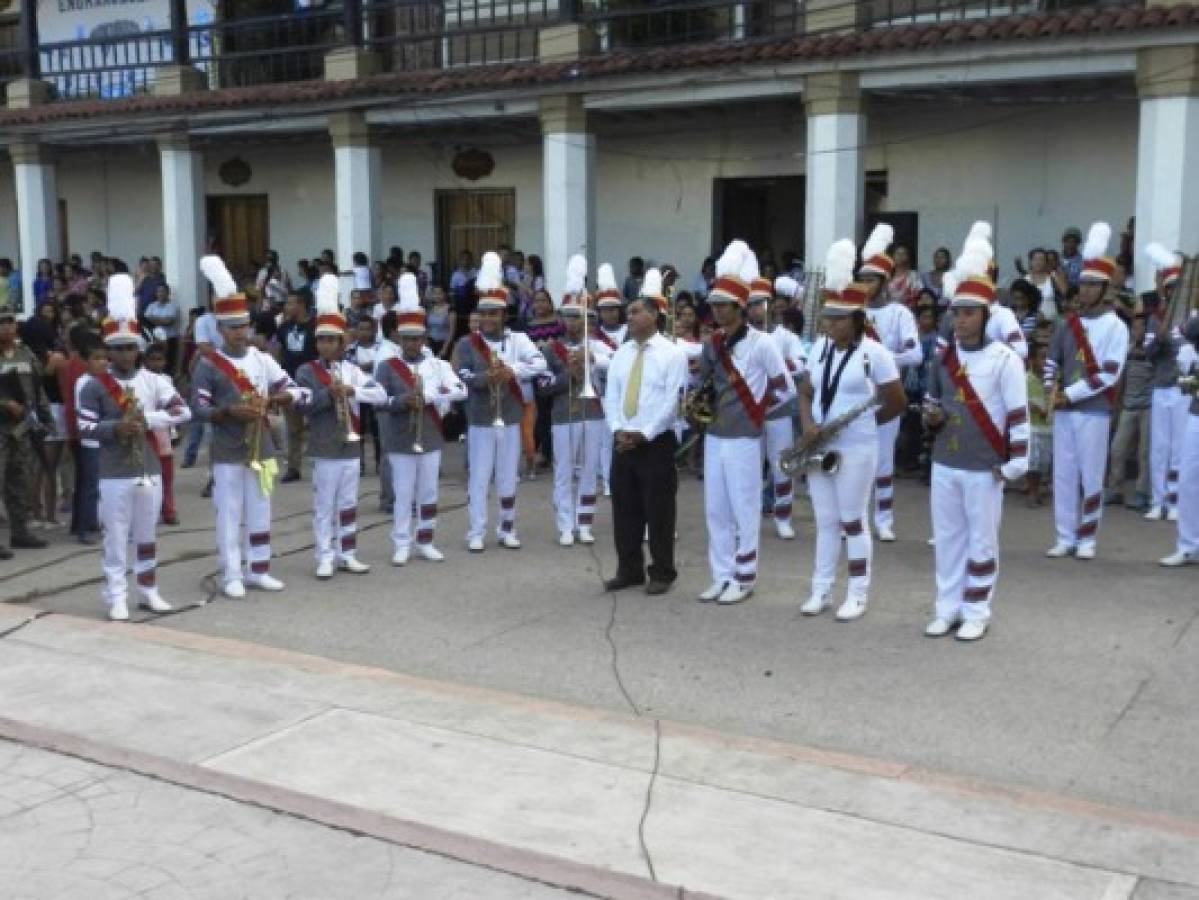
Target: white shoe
<point>735,593</point>
<point>429,552</point>
<point>816,604</point>
<point>152,600</point>
<point>1175,560</point>
<point>118,611</point>
<point>585,535</point>
<point>1059,551</point>
<point>784,530</point>
<point>353,566</point>
<point>324,569</point>
<point>510,541</point>
<point>400,557</point>
<point>886,535</point>
<point>1085,551</point>
<point>607,491</point>
<point>938,628</point>
<point>932,542</point>
<point>235,590</point>
<point>854,607</point>
<point>1154,514</point>
<point>475,545</point>
<point>1172,515</point>
<point>566,539</point>
<point>715,589</point>
<point>971,631</point>
<point>266,582</point>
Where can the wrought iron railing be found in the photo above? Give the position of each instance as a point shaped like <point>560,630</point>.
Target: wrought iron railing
<point>624,24</point>
<point>885,13</point>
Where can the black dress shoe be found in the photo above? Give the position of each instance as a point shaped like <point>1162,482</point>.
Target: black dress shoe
<point>619,584</point>
<point>657,587</point>
<point>5,553</point>
<point>292,475</point>
<point>26,542</point>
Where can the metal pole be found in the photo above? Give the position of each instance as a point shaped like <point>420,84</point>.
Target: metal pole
<point>180,45</point>
<point>353,22</point>
<point>30,57</point>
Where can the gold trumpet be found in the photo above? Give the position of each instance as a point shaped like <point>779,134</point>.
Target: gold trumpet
<point>345,417</point>
<point>497,390</point>
<point>417,426</point>
<point>135,446</point>
<point>253,431</point>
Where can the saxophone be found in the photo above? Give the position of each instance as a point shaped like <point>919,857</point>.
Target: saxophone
<point>813,455</point>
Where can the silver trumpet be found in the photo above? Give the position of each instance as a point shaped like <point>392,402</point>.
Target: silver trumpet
<point>418,419</point>
<point>497,391</point>
<point>345,418</point>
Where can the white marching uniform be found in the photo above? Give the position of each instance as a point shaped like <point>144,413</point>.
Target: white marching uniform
<point>780,421</point>
<point>967,496</point>
<point>615,337</point>
<point>1168,415</point>
<point>1188,482</point>
<point>896,331</point>
<point>1003,327</point>
<point>130,477</point>
<point>840,500</point>
<point>733,450</point>
<point>1081,430</point>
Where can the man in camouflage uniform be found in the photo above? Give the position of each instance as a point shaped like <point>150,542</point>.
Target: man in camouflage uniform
<point>20,395</point>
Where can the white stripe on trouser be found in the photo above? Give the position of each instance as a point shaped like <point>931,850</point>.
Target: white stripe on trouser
<point>576,447</point>
<point>1168,425</point>
<point>1188,497</point>
<point>732,504</point>
<point>839,503</point>
<point>884,475</point>
<point>239,501</point>
<point>966,510</point>
<point>493,451</point>
<point>130,514</point>
<point>605,456</point>
<point>335,524</point>
<point>1079,460</point>
<point>780,434</point>
<point>414,479</point>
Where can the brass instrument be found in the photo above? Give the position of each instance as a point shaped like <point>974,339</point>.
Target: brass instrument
<point>699,405</point>
<point>813,455</point>
<point>253,430</point>
<point>135,447</point>
<point>345,417</point>
<point>497,390</point>
<point>417,426</point>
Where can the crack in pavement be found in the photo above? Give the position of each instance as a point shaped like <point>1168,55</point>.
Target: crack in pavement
<point>41,613</point>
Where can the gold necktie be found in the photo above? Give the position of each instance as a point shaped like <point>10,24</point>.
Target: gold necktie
<point>632,391</point>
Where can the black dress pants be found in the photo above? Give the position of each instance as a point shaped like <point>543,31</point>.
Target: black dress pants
<point>644,484</point>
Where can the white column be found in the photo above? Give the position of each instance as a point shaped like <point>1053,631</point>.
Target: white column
<point>568,188</point>
<point>357,183</point>
<point>37,213</point>
<point>833,164</point>
<point>183,227</point>
<point>1167,205</point>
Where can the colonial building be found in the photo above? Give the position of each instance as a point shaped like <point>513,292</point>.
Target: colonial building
<point>615,127</point>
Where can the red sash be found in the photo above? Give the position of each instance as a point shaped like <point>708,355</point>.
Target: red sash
<point>755,410</point>
<point>406,375</point>
<point>325,377</point>
<point>600,335</point>
<point>232,372</point>
<point>484,351</point>
<point>563,354</point>
<point>871,332</point>
<point>974,405</point>
<point>1088,355</point>
<point>117,393</point>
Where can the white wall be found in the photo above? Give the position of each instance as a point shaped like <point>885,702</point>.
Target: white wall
<point>8,213</point>
<point>114,201</point>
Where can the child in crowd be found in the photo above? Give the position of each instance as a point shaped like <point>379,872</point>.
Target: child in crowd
<point>156,361</point>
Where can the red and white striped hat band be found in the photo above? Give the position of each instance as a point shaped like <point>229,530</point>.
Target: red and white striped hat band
<point>1170,275</point>
<point>729,289</point>
<point>412,322</point>
<point>120,332</point>
<point>608,299</point>
<point>493,299</point>
<point>228,309</point>
<point>331,323</point>
<point>880,264</point>
<point>571,305</point>
<point>1101,268</point>
<point>760,289</point>
<point>851,299</point>
<point>977,290</point>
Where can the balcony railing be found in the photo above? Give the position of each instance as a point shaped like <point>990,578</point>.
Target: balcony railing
<point>885,13</point>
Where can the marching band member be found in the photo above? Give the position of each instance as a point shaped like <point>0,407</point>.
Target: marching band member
<point>577,421</point>
<point>120,408</point>
<point>337,388</point>
<point>891,324</point>
<point>1002,324</point>
<point>611,333</point>
<point>233,389</point>
<point>978,406</point>
<point>748,377</point>
<point>497,366</point>
<point>846,370</point>
<point>780,428</point>
<point>420,389</point>
<point>1187,552</point>
<point>1087,356</point>
<point>1168,419</point>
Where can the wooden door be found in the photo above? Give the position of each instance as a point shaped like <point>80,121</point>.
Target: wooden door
<point>477,221</point>
<point>239,229</point>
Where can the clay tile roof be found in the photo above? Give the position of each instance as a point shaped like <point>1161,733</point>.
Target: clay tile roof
<point>1083,21</point>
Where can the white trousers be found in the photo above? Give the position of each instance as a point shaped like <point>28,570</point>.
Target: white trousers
<point>240,502</point>
<point>732,504</point>
<point>780,434</point>
<point>839,503</point>
<point>129,514</point>
<point>576,448</point>
<point>966,509</point>
<point>1188,496</point>
<point>1167,429</point>
<point>1080,442</point>
<point>605,455</point>
<point>493,452</point>
<point>335,523</point>
<point>414,480</point>
<point>884,475</point>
